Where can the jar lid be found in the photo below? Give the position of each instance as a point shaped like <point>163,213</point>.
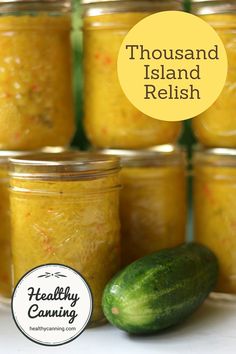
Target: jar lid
<point>53,4</point>
<point>100,7</point>
<point>98,1</point>
<point>6,154</point>
<point>210,7</point>
<point>63,166</point>
<point>212,1</point>
<point>215,156</point>
<point>162,155</point>
<point>65,2</point>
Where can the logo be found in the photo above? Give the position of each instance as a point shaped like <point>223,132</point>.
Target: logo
<point>52,304</point>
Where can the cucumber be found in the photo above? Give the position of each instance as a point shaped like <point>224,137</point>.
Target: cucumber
<point>161,289</point>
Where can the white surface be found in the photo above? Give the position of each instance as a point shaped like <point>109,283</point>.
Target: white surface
<point>211,330</point>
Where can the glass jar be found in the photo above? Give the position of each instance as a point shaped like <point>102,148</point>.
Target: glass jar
<point>152,200</point>
<point>65,210</point>
<point>36,103</point>
<point>5,229</point>
<point>111,121</point>
<point>217,125</point>
<point>214,209</point>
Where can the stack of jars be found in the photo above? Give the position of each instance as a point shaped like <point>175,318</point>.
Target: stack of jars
<point>153,175</point>
<point>67,207</point>
<point>54,207</point>
<point>63,207</point>
<point>215,159</point>
<point>153,195</point>
<point>35,98</point>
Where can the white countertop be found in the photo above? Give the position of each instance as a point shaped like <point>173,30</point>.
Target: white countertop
<point>211,330</point>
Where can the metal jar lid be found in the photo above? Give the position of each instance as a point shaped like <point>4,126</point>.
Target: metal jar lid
<point>225,157</point>
<point>162,155</point>
<point>209,7</point>
<point>66,3</point>
<point>100,7</point>
<point>137,1</point>
<point>15,6</point>
<point>5,155</point>
<point>63,166</point>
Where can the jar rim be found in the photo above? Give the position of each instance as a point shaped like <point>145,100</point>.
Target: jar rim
<point>215,156</point>
<point>65,165</point>
<point>5,155</point>
<point>101,7</point>
<point>66,3</point>
<point>9,6</point>
<point>211,7</point>
<point>210,1</point>
<point>87,2</point>
<point>160,155</point>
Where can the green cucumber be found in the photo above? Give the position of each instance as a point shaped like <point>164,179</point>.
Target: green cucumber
<point>161,289</point>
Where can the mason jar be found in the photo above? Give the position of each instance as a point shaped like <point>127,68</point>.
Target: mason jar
<point>214,209</point>
<point>217,125</point>
<point>111,121</point>
<point>64,209</point>
<point>5,224</point>
<point>36,103</point>
<point>152,200</point>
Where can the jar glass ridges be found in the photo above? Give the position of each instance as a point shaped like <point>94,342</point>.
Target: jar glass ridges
<point>214,211</point>
<point>36,102</point>
<point>110,119</point>
<point>65,210</point>
<point>152,200</point>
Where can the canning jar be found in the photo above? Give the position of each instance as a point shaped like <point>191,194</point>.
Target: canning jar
<point>214,209</point>
<point>111,121</point>
<point>152,200</point>
<point>5,227</point>
<point>36,105</point>
<point>65,210</point>
<point>217,125</point>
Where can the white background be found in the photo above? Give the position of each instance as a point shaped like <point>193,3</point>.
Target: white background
<point>211,330</point>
